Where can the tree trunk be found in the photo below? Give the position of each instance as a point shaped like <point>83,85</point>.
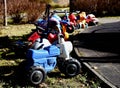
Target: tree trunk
<point>5,13</point>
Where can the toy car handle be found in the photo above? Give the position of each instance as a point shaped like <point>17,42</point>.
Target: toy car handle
<point>59,29</point>
<point>40,28</point>
<point>67,16</point>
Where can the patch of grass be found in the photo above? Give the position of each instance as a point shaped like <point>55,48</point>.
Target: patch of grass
<point>16,30</point>
<point>60,80</point>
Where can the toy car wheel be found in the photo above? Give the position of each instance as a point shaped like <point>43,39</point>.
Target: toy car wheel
<point>70,28</point>
<point>37,75</point>
<point>78,26</point>
<point>86,25</point>
<point>72,67</point>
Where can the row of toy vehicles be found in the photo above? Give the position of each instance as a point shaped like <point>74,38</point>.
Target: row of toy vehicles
<point>69,22</point>
<point>48,46</point>
<point>77,21</point>
<point>47,49</point>
<point>51,46</point>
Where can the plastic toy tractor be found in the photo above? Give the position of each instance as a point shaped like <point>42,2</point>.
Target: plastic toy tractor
<point>40,62</point>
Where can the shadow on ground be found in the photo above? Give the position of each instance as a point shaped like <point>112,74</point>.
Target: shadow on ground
<point>9,76</point>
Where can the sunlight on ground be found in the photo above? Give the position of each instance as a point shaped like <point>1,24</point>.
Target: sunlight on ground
<point>16,30</point>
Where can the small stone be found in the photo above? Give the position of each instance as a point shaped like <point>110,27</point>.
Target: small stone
<point>95,67</point>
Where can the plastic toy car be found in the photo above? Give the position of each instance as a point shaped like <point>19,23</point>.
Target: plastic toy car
<point>92,20</point>
<point>69,22</point>
<point>40,62</point>
<point>81,20</point>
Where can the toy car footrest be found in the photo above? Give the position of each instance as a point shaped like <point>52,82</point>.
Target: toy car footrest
<point>48,63</point>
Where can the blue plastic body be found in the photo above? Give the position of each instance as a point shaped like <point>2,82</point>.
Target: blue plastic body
<point>44,57</point>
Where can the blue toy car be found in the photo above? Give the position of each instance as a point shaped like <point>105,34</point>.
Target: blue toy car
<point>40,62</point>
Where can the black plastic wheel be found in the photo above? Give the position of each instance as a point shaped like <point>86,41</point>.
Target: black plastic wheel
<point>37,75</point>
<point>70,28</point>
<point>78,26</point>
<point>72,67</point>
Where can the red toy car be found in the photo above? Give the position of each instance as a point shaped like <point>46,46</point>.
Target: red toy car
<point>92,20</point>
